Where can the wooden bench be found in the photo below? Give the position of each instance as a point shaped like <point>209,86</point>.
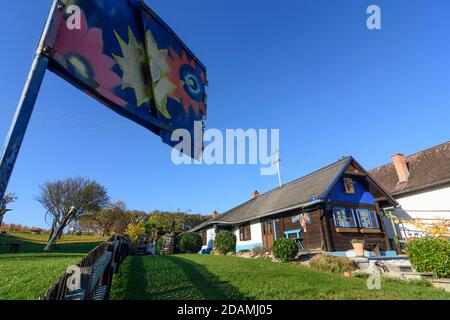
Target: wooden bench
<point>12,247</point>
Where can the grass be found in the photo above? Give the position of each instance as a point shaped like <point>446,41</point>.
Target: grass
<point>187,277</point>
<point>28,274</point>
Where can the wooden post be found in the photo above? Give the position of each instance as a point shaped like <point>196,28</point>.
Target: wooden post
<point>325,230</point>
<point>27,101</point>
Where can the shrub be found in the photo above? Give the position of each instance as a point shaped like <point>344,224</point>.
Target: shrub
<point>430,255</point>
<point>190,242</point>
<point>335,264</point>
<point>260,251</point>
<point>159,245</point>
<point>225,242</point>
<point>284,249</point>
<point>134,231</point>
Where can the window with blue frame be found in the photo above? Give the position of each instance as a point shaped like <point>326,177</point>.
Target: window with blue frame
<point>367,219</point>
<point>344,218</point>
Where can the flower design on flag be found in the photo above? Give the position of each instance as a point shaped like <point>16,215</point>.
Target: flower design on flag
<point>82,53</point>
<point>134,66</point>
<point>189,81</point>
<point>162,86</point>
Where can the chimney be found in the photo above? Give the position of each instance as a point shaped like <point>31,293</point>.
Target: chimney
<point>401,167</point>
<point>215,214</point>
<point>255,195</point>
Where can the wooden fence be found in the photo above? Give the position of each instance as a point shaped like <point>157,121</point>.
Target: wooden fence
<point>91,278</point>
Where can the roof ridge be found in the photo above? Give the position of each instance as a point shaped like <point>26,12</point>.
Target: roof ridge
<point>309,174</point>
<point>428,149</point>
<point>411,155</point>
<point>286,184</point>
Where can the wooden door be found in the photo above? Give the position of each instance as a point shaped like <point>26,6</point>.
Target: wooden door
<point>267,231</point>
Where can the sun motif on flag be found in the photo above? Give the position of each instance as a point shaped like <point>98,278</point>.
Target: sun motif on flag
<point>189,81</point>
<point>159,68</point>
<point>134,64</point>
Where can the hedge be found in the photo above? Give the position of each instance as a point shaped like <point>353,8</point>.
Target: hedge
<point>284,249</point>
<point>430,255</point>
<point>225,242</point>
<point>190,242</point>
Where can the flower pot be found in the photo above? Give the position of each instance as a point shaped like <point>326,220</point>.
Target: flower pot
<point>347,274</point>
<point>359,249</point>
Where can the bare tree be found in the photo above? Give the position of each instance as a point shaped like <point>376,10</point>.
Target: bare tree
<point>66,200</point>
<point>135,216</point>
<point>7,199</point>
<point>106,217</point>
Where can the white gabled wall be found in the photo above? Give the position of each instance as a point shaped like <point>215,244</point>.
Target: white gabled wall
<point>210,237</point>
<point>256,237</point>
<point>431,204</point>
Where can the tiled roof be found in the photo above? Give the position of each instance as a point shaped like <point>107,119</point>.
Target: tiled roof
<point>293,194</point>
<point>427,169</point>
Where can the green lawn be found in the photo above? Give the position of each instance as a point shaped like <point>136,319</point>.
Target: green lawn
<point>28,274</point>
<point>185,277</point>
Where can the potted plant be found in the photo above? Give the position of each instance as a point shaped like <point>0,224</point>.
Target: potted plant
<point>358,246</point>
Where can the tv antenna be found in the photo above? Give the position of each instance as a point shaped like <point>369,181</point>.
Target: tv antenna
<point>277,161</point>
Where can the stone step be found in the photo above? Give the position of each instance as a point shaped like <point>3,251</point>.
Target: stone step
<point>400,269</point>
<point>441,283</point>
<point>418,275</point>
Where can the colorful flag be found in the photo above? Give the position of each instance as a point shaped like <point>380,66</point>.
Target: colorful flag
<point>125,56</point>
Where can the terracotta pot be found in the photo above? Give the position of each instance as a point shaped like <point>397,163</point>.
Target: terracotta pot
<point>347,274</point>
<point>359,249</point>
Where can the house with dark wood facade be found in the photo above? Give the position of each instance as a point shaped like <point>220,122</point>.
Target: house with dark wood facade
<point>323,211</point>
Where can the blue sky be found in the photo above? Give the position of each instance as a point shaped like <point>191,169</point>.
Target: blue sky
<point>310,68</point>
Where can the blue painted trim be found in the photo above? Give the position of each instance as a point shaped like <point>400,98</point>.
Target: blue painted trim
<point>205,251</point>
<point>345,211</point>
<point>337,253</point>
<point>376,218</point>
<point>248,246</point>
<point>388,253</point>
<point>354,218</point>
<point>336,178</point>
<point>334,216</point>
<point>369,212</point>
<point>297,231</point>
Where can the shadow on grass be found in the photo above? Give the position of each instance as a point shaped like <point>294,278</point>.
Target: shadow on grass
<point>207,284</point>
<point>35,247</point>
<point>27,256</point>
<point>136,283</point>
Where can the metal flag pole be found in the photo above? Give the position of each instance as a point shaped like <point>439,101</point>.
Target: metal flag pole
<point>277,162</point>
<point>27,101</point>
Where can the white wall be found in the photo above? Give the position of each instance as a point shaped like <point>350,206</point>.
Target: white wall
<point>256,236</point>
<point>425,205</point>
<point>210,237</point>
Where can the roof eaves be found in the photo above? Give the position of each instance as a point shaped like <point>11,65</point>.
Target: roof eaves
<point>300,205</point>
<point>428,186</point>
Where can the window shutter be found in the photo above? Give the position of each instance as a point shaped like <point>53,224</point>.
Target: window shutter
<point>248,233</point>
